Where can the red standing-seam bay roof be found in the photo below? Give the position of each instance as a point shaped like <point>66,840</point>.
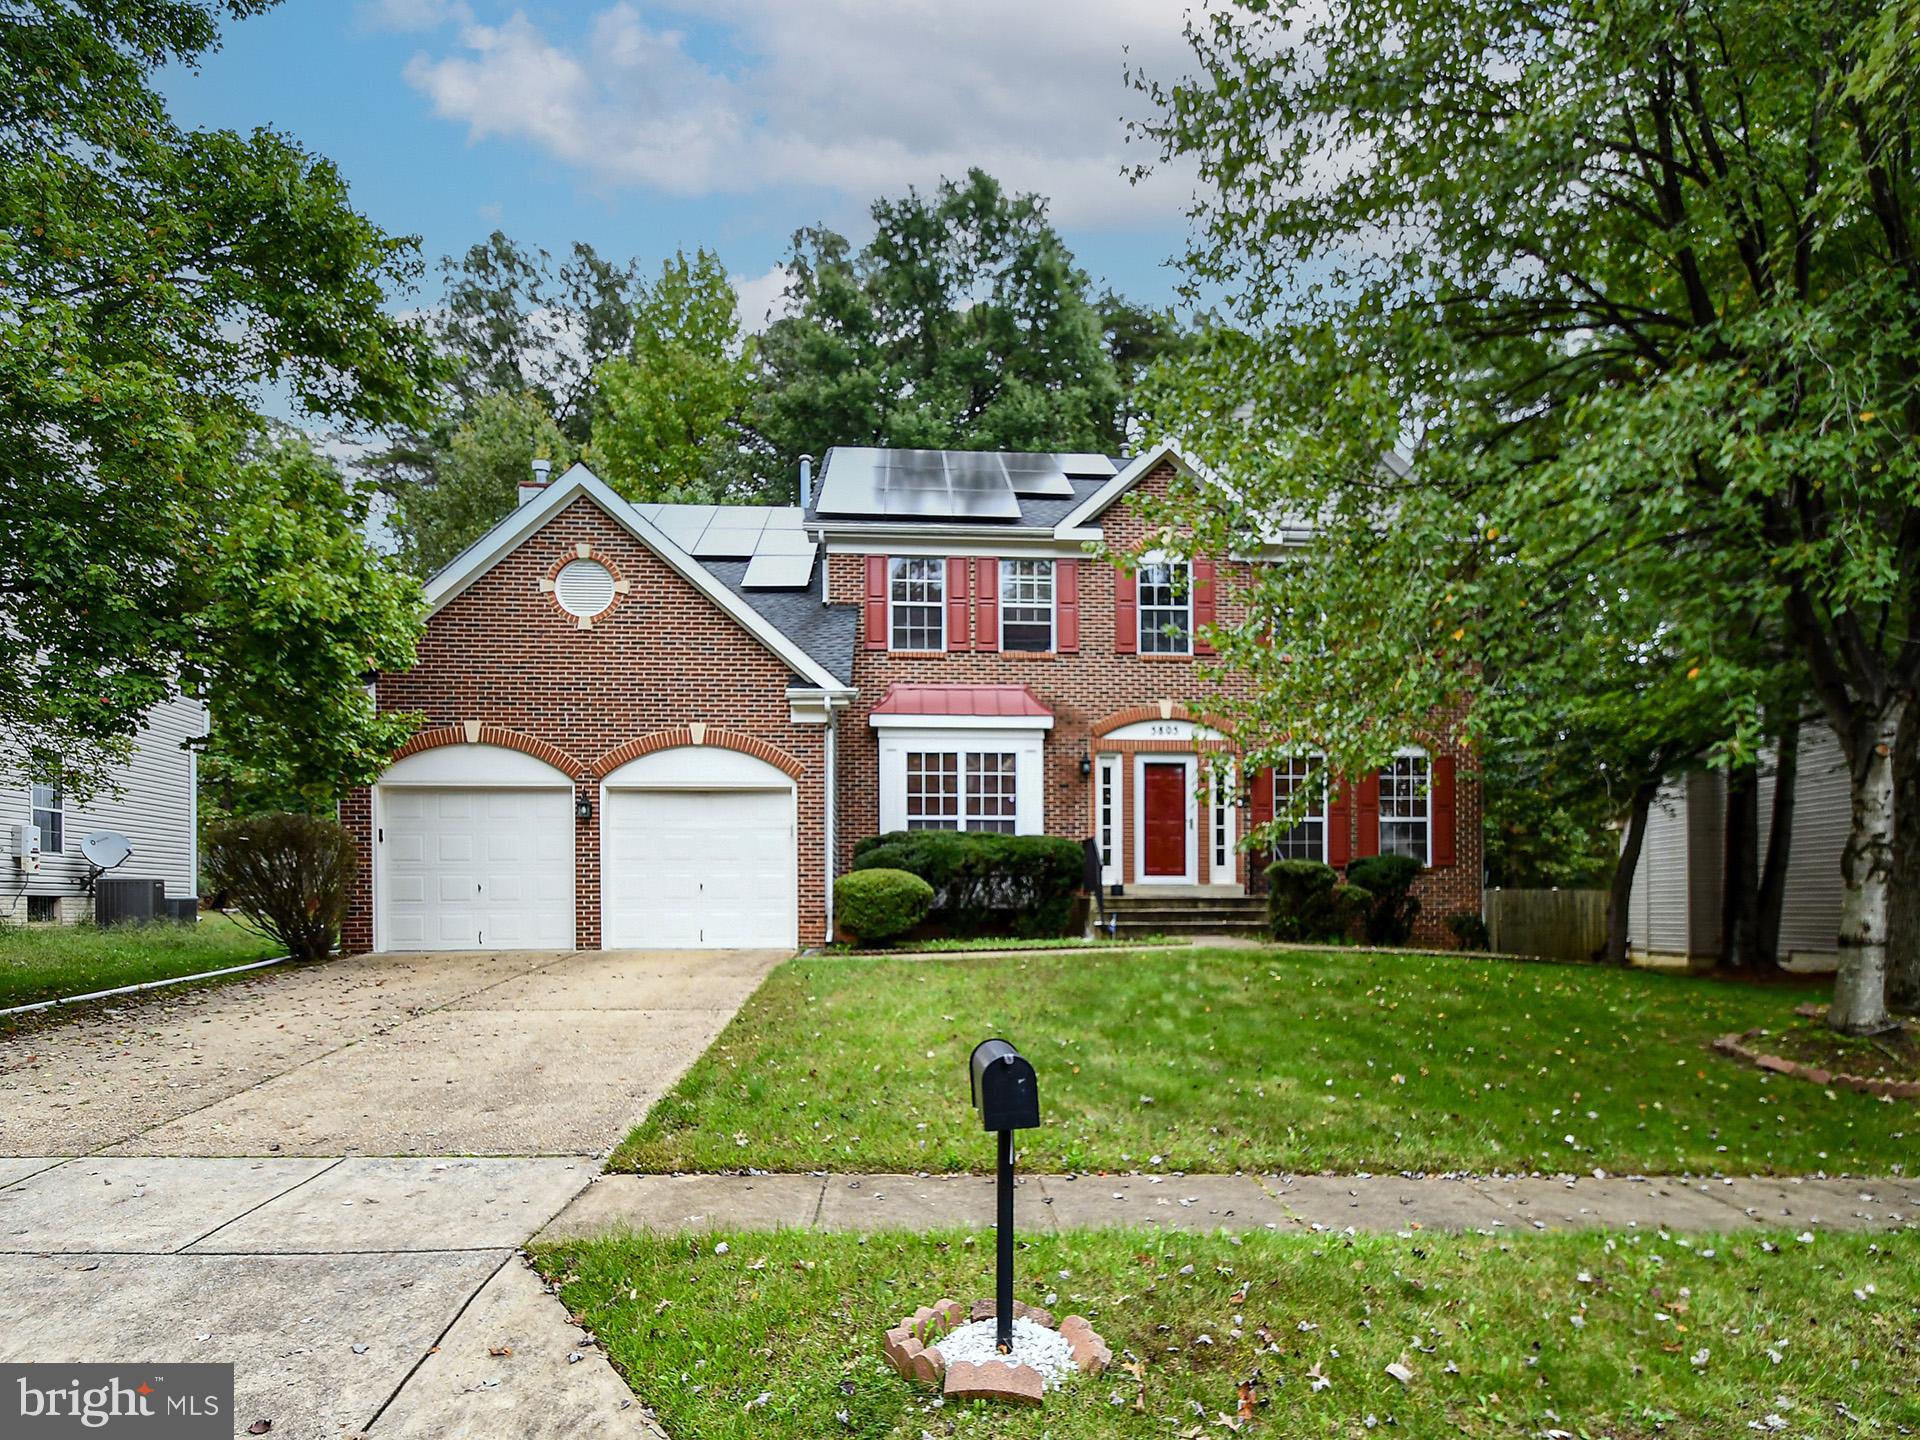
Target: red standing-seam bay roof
<point>988,701</point>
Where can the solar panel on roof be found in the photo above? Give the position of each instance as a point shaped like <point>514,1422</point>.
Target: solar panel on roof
<point>1084,465</point>
<point>784,542</point>
<point>723,541</point>
<point>684,524</point>
<point>779,572</point>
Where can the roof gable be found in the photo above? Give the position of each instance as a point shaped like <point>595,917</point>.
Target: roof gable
<point>516,528</point>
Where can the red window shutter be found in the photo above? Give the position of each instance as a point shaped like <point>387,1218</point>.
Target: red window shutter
<point>986,590</point>
<point>1339,825</point>
<point>1066,606</point>
<point>1262,797</point>
<point>1441,810</point>
<point>1126,612</point>
<point>1369,840</point>
<point>959,633</point>
<point>1203,578</point>
<point>877,602</point>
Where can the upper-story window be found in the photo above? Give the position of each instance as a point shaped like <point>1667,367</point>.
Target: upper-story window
<point>49,806</point>
<point>1406,825</point>
<point>1301,778</point>
<point>917,596</point>
<point>1026,605</point>
<point>1166,614</point>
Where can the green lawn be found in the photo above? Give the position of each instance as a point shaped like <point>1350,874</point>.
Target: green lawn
<point>1588,1334</point>
<point>43,962</point>
<point>1259,1059</point>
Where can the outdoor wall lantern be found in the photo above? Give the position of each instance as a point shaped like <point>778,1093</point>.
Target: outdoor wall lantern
<point>583,809</point>
<point>1086,764</point>
<point>1008,1099</point>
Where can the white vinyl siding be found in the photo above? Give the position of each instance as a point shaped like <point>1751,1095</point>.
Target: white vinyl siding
<point>1822,815</point>
<point>151,800</point>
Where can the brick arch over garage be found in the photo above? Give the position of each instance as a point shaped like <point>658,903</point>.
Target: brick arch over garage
<point>696,734</point>
<point>1166,710</point>
<point>481,733</point>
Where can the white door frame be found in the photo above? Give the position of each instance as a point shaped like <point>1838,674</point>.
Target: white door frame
<point>1191,764</point>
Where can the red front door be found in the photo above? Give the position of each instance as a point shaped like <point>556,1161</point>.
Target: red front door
<point>1166,820</point>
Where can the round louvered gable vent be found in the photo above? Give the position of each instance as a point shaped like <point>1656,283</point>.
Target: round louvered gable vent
<point>583,588</point>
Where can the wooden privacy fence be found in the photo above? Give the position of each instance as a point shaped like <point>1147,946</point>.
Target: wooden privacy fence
<point>1554,924</point>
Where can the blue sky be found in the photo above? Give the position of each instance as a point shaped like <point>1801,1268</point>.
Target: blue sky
<point>642,126</point>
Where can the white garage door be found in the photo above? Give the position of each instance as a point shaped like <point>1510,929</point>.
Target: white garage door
<point>476,869</point>
<point>689,869</point>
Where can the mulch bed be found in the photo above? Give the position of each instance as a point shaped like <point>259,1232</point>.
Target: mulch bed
<point>1886,1064</point>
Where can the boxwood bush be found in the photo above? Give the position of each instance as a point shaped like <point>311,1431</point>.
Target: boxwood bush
<point>1391,907</point>
<point>1300,903</point>
<point>985,884</point>
<point>879,905</point>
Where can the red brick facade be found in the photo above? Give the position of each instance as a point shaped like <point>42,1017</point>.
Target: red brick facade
<point>1097,690</point>
<point>665,666</point>
<point>661,659</point>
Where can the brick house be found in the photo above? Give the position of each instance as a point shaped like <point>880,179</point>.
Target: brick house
<point>668,725</point>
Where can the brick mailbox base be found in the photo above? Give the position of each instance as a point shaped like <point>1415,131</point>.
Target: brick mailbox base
<point>913,1349</point>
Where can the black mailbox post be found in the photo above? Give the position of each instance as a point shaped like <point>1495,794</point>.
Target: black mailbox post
<point>1008,1099</point>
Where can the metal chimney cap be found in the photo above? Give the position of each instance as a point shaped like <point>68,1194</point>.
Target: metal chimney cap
<point>541,470</point>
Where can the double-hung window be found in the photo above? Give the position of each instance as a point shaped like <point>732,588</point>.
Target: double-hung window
<point>917,593</point>
<point>49,806</point>
<point>1301,780</point>
<point>1406,825</point>
<point>1026,605</point>
<point>1166,611</point>
<point>961,790</point>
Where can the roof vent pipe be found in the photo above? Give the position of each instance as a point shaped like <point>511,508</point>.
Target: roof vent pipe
<point>806,480</point>
<point>532,489</point>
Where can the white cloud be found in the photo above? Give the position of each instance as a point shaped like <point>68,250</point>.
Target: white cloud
<point>859,97</point>
<point>762,298</point>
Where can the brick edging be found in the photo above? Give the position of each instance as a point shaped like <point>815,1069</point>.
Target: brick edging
<point>1733,1043</point>
<point>489,734</point>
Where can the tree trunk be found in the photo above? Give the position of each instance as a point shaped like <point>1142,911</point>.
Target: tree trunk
<point>1620,893</point>
<point>1866,866</point>
<point>1903,919</point>
<point>1773,876</point>
<point>1740,871</point>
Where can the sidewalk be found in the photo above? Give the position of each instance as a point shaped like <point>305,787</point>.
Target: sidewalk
<point>1487,1205</point>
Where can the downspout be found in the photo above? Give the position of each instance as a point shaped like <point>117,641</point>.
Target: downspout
<point>831,808</point>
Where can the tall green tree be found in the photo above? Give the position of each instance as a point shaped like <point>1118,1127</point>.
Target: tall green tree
<point>477,473</point>
<point>1639,284</point>
<point>670,419</point>
<point>964,324</point>
<point>154,277</point>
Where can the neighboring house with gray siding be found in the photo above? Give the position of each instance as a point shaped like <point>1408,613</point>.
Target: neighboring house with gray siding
<point>151,800</point>
<point>1675,910</point>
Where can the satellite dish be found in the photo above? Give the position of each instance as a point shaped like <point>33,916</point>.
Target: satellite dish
<point>105,849</point>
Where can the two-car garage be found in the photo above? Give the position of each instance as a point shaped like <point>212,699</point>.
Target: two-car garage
<point>478,848</point>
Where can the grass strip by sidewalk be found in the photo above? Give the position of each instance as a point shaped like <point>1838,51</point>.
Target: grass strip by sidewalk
<point>1590,1334</point>
<point>1217,1060</point>
<point>46,962</point>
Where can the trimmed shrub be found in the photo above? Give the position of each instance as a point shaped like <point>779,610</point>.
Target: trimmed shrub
<point>985,884</point>
<point>287,875</point>
<point>1391,906</point>
<point>1300,903</point>
<point>1470,930</point>
<point>878,905</point>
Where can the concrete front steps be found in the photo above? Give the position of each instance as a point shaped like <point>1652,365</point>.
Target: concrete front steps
<point>1186,910</point>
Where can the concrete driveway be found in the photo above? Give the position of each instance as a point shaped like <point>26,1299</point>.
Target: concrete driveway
<point>281,1173</point>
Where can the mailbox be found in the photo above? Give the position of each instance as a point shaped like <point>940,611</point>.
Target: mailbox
<point>1004,1090</point>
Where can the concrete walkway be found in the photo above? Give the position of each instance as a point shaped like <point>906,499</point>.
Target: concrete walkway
<point>1298,1203</point>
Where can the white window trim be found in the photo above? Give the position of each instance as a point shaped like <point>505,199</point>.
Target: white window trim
<point>1053,604</point>
<point>1029,773</point>
<point>1223,824</point>
<point>940,606</point>
<point>1108,831</point>
<point>1326,798</point>
<point>1192,873</point>
<point>1413,752</point>
<point>1140,626</point>
<point>35,808</point>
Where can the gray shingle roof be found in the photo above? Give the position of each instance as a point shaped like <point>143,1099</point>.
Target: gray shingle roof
<point>826,632</point>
